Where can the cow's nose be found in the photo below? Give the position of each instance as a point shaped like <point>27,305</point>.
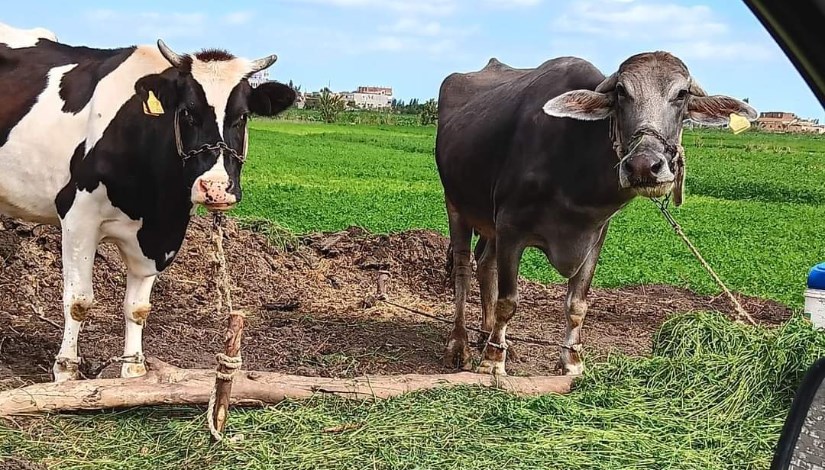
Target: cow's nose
<point>644,167</point>
<point>214,192</point>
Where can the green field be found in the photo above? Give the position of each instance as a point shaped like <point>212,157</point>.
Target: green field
<point>753,204</point>
<point>713,395</point>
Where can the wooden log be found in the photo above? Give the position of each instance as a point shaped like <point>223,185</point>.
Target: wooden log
<point>165,384</point>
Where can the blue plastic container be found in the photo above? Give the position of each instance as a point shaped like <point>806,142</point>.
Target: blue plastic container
<point>815,296</point>
<point>816,277</point>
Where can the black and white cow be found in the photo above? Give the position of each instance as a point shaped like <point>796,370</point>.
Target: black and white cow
<point>121,145</point>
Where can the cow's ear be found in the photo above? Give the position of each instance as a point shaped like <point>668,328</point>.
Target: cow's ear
<point>585,105</point>
<point>716,110</point>
<point>163,88</point>
<point>271,98</point>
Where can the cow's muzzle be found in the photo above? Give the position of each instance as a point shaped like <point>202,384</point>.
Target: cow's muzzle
<point>214,193</point>
<point>646,173</point>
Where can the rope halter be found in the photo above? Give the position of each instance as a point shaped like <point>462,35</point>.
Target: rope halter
<point>674,150</point>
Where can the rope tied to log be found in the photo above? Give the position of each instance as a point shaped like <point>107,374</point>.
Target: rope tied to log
<point>230,361</point>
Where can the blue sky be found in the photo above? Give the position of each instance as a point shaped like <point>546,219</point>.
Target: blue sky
<point>412,45</point>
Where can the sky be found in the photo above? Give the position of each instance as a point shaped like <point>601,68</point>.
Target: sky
<point>411,45</point>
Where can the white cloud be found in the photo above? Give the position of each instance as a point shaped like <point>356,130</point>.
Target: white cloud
<point>512,3</point>
<point>692,32</point>
<point>629,19</point>
<point>389,43</point>
<point>169,25</point>
<point>150,25</point>
<point>100,15</point>
<point>706,50</point>
<point>415,27</point>
<point>238,17</point>
<point>420,7</point>
<point>412,26</point>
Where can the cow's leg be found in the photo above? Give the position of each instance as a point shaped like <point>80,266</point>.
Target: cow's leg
<point>80,240</point>
<point>508,254</point>
<point>136,309</point>
<point>457,353</point>
<point>141,273</point>
<point>487,275</point>
<point>575,309</point>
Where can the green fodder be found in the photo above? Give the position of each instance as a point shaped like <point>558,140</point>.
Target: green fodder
<point>280,237</point>
<point>713,395</point>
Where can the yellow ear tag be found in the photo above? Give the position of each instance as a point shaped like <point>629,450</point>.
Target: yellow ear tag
<point>739,124</point>
<point>152,105</point>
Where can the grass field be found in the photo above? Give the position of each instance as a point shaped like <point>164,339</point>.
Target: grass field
<point>712,396</point>
<point>754,203</point>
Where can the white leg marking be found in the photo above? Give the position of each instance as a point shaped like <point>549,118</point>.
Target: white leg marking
<point>80,239</point>
<point>136,309</point>
<point>141,273</point>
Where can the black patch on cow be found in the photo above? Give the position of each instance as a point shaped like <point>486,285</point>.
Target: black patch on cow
<point>137,161</point>
<point>24,75</point>
<point>65,197</point>
<point>19,86</point>
<point>213,55</point>
<point>78,85</point>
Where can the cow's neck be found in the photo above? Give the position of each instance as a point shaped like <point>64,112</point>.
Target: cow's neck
<point>590,183</point>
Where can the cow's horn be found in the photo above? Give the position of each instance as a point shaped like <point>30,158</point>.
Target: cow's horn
<point>173,57</point>
<point>609,84</point>
<point>695,89</point>
<point>262,63</point>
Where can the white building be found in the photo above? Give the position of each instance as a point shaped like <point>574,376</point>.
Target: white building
<point>369,97</point>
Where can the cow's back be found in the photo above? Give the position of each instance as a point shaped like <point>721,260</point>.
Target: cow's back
<point>53,97</point>
<point>492,131</point>
<point>16,37</point>
<point>459,88</point>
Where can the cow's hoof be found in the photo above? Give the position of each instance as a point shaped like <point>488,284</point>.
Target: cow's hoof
<point>491,367</point>
<point>457,355</point>
<point>128,371</point>
<point>66,369</point>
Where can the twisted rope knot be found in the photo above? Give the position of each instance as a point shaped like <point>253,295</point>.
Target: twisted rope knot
<point>230,362</point>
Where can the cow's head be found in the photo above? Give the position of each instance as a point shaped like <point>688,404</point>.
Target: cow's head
<point>211,99</point>
<point>647,100</point>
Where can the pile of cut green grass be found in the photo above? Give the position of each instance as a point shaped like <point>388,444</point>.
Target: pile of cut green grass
<point>714,395</point>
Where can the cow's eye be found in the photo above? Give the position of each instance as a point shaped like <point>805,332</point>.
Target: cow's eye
<point>681,95</point>
<point>621,92</point>
<point>187,116</point>
<point>242,120</point>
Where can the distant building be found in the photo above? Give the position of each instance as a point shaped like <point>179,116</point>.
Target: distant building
<point>259,77</point>
<point>370,97</point>
<point>780,121</point>
<point>300,100</point>
<point>374,90</point>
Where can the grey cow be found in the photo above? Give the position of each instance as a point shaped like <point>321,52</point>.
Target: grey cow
<point>545,157</point>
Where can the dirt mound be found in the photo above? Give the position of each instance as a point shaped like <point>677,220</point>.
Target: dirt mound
<point>307,309</point>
